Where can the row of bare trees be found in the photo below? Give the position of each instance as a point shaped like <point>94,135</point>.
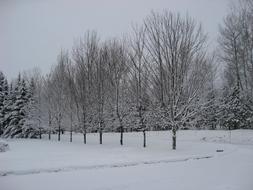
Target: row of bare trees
<point>154,78</point>
<point>162,76</point>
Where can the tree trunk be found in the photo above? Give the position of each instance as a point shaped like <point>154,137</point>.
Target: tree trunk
<point>49,125</point>
<point>84,137</point>
<point>121,135</point>
<point>59,131</point>
<point>49,135</point>
<point>174,138</point>
<point>144,138</point>
<point>100,137</point>
<point>70,135</point>
<point>100,133</point>
<point>40,132</point>
<point>71,128</point>
<point>84,125</point>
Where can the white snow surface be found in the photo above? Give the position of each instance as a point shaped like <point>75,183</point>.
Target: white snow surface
<point>43,165</point>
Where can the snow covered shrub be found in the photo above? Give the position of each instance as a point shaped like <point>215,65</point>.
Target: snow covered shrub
<point>4,147</point>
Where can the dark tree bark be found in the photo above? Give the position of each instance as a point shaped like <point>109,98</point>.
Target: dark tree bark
<point>174,138</point>
<point>121,134</point>
<point>49,124</point>
<point>49,135</point>
<point>71,128</point>
<point>84,126</point>
<point>84,137</point>
<point>59,132</point>
<point>59,128</point>
<point>144,138</point>
<point>71,136</point>
<point>100,137</point>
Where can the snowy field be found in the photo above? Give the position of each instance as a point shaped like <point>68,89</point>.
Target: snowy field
<point>195,165</point>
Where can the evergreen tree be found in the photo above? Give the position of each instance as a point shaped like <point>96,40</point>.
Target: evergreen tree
<point>3,96</point>
<point>236,111</point>
<point>210,111</point>
<point>31,126</point>
<point>16,110</point>
<point>9,100</point>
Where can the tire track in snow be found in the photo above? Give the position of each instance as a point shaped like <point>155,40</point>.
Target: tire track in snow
<point>102,166</point>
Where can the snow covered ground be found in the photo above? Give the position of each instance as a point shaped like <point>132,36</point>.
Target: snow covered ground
<point>195,165</point>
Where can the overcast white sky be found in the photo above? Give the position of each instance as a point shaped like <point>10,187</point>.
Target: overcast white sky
<point>32,32</point>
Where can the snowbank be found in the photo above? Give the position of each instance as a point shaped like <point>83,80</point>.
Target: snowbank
<point>4,146</point>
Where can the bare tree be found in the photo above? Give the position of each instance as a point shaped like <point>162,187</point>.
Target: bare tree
<point>175,45</point>
<point>47,100</point>
<point>117,68</point>
<point>70,93</point>
<point>138,60</point>
<point>85,55</point>
<point>100,89</point>
<point>58,90</point>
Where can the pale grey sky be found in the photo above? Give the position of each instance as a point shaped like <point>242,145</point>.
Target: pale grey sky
<point>32,32</point>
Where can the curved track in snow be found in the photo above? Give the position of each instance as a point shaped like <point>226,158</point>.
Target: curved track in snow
<point>91,167</point>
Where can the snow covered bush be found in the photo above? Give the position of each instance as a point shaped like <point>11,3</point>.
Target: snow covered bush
<point>4,146</point>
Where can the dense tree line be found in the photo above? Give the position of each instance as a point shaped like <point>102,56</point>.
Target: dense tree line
<point>160,77</point>
<point>236,45</point>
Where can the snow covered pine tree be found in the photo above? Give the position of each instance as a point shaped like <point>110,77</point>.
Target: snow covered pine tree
<point>16,111</point>
<point>3,97</point>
